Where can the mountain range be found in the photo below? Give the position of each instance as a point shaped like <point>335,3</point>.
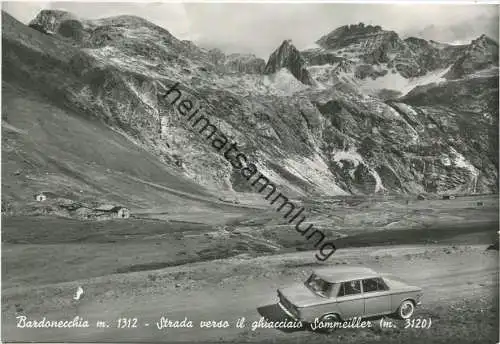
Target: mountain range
<point>362,112</point>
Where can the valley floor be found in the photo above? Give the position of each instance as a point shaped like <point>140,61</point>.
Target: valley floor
<point>147,269</point>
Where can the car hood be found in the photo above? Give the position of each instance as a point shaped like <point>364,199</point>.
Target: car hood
<point>301,296</point>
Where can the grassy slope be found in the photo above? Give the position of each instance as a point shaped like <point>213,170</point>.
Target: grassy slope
<point>48,146</point>
<point>61,152</point>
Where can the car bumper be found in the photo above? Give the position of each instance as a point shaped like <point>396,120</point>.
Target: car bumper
<point>290,314</point>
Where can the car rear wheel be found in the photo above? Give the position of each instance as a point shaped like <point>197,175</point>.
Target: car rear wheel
<point>406,309</point>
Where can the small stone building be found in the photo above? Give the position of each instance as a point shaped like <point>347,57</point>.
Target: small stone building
<point>120,212</point>
<point>110,212</point>
<point>40,197</point>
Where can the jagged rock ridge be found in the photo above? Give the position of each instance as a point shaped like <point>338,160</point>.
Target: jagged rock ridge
<point>287,56</point>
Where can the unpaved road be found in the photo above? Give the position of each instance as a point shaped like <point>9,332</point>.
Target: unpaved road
<point>446,273</point>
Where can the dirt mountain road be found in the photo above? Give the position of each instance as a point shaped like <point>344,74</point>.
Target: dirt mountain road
<point>446,273</point>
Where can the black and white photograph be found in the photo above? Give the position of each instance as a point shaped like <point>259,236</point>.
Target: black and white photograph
<point>250,172</point>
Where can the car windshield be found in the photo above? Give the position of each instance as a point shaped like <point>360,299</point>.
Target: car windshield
<point>318,285</point>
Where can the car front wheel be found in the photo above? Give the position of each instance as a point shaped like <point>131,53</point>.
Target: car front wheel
<point>406,309</point>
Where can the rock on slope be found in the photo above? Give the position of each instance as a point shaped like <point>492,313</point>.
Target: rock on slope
<point>308,136</point>
<point>237,63</point>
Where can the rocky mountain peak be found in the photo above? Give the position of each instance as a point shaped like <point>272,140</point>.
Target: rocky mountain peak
<point>484,48</point>
<point>126,21</point>
<point>370,43</point>
<point>484,42</point>
<point>216,56</point>
<point>482,53</point>
<point>288,56</point>
<point>349,34</point>
<point>49,21</point>
<point>416,41</point>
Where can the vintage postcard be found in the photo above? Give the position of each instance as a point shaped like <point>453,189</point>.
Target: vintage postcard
<point>271,172</point>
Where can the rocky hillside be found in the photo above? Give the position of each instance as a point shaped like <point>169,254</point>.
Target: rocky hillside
<point>364,112</point>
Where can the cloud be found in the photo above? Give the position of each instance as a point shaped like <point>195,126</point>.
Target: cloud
<point>24,11</point>
<point>260,28</point>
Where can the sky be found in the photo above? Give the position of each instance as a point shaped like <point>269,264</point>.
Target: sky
<point>259,28</point>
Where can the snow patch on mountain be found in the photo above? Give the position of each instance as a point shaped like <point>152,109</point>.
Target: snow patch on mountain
<point>350,155</point>
<point>323,74</point>
<point>276,179</point>
<point>283,81</point>
<point>493,71</point>
<point>407,109</point>
<point>356,159</point>
<point>378,181</point>
<point>445,160</point>
<point>330,74</point>
<point>460,161</point>
<point>315,171</point>
<point>396,82</point>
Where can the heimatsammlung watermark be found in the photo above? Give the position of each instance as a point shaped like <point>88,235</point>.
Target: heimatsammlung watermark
<point>239,161</point>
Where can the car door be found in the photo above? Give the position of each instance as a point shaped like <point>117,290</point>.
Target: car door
<point>377,297</point>
<point>350,299</point>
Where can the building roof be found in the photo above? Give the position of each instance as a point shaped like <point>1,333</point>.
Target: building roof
<point>105,207</point>
<point>117,208</point>
<point>336,274</point>
<point>109,208</point>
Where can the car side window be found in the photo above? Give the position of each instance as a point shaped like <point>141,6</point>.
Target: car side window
<point>350,288</point>
<point>382,284</point>
<point>374,284</point>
